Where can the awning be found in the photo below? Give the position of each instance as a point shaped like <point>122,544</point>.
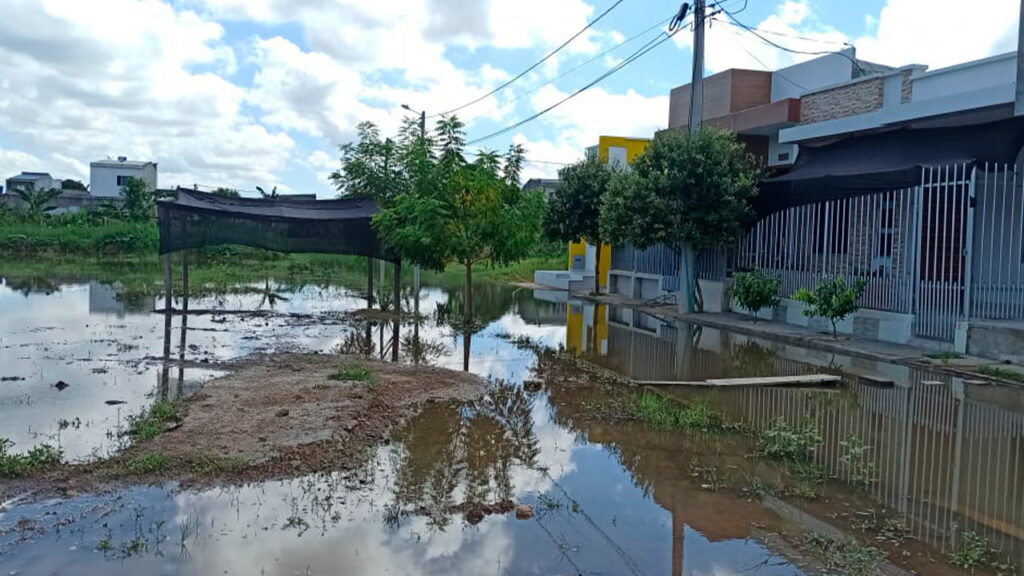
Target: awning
<point>886,161</point>
<point>198,219</point>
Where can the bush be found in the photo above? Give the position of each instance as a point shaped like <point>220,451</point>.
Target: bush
<point>833,299</point>
<point>42,456</point>
<point>755,291</point>
<point>788,442</point>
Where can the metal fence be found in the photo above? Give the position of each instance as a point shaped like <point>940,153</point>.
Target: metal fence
<point>658,260</point>
<point>998,249</point>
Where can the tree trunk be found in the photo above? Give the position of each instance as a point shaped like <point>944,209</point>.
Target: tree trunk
<point>467,302</point>
<point>597,268</point>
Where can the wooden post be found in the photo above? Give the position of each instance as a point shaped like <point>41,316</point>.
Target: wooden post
<point>369,282</point>
<point>184,281</point>
<point>398,287</point>
<point>167,283</point>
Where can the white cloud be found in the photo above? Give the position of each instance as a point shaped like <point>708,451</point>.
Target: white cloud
<point>940,32</point>
<point>321,159</point>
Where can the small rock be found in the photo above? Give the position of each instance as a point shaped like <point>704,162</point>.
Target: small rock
<point>524,512</point>
<point>61,385</point>
<point>474,516</point>
<point>281,413</point>
<point>261,438</point>
<point>114,402</point>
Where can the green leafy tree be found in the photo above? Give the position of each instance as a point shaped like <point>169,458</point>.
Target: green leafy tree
<point>227,192</point>
<point>268,195</point>
<point>755,291</point>
<point>574,207</point>
<point>689,193</point>
<point>832,299</point>
<point>139,199</point>
<point>437,208</point>
<point>72,185</point>
<point>36,201</point>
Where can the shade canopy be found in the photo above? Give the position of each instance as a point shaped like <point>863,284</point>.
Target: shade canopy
<point>884,161</point>
<point>198,219</point>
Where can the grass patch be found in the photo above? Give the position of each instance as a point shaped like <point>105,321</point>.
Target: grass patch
<point>975,552</point>
<point>789,442</point>
<point>945,355</point>
<point>1002,373</point>
<point>659,412</point>
<point>39,457</point>
<point>152,421</point>
<point>848,557</point>
<point>351,373</point>
<point>211,464</point>
<point>149,463</point>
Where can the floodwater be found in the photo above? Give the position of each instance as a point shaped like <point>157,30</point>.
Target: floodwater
<point>938,459</point>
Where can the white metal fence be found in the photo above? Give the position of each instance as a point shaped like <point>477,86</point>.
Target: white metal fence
<point>956,239</point>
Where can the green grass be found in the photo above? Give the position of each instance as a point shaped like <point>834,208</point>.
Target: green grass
<point>149,463</point>
<point>351,373</point>
<point>975,552</point>
<point>788,442</point>
<point>945,355</point>
<point>37,458</point>
<point>212,464</point>
<point>150,423</point>
<point>660,412</point>
<point>1002,373</point>
<point>848,557</point>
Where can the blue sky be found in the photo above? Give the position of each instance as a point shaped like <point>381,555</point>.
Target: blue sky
<point>242,93</point>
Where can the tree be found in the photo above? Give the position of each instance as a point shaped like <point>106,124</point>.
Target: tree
<point>437,208</point>
<point>72,185</point>
<point>36,201</point>
<point>139,199</point>
<point>690,193</point>
<point>755,291</point>
<point>574,207</point>
<point>226,192</point>
<point>833,299</point>
<point>268,195</point>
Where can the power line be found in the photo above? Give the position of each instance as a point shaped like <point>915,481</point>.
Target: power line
<point>574,69</point>
<point>792,36</point>
<point>535,64</point>
<point>766,67</point>
<point>650,45</point>
<point>527,160</point>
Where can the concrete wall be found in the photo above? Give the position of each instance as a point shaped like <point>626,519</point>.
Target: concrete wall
<point>103,178</point>
<point>985,73</point>
<point>865,323</point>
<point>793,81</point>
<point>724,93</point>
<point>1003,341</point>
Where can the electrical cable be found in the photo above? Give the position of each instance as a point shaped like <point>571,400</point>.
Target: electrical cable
<point>658,41</point>
<point>535,64</point>
<point>766,67</point>
<point>574,69</point>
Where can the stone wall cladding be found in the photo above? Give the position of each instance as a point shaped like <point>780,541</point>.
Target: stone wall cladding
<point>906,86</point>
<point>842,101</point>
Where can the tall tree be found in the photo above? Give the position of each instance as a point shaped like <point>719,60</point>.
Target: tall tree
<point>690,193</point>
<point>574,207</point>
<point>139,199</point>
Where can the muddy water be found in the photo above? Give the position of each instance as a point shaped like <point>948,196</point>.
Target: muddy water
<point>609,497</point>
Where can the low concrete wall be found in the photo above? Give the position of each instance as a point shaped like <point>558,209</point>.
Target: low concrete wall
<point>865,323</point>
<point>1002,341</point>
<point>68,201</point>
<point>636,285</point>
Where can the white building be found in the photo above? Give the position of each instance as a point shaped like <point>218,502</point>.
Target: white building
<point>32,181</point>
<point>106,177</point>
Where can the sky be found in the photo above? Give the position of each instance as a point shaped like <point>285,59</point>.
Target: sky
<point>246,93</point>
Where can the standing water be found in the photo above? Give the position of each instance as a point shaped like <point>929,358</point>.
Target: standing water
<point>913,464</point>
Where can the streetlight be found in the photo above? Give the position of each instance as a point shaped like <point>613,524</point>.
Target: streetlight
<point>423,120</point>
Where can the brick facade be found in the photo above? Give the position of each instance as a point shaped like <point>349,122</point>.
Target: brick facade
<point>841,101</point>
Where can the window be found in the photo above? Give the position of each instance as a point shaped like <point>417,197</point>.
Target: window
<point>122,180</point>
<point>617,157</point>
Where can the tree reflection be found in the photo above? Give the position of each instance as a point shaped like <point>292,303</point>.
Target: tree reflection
<point>473,448</point>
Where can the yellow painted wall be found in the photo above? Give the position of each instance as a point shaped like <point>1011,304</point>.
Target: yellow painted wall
<point>634,147</point>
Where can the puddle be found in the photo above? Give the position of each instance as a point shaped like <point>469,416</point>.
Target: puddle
<point>608,497</point>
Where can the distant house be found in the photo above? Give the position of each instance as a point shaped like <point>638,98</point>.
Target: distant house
<point>107,177</point>
<point>547,185</point>
<point>32,181</point>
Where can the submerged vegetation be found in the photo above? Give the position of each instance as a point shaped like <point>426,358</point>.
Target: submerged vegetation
<point>660,412</point>
<point>37,458</point>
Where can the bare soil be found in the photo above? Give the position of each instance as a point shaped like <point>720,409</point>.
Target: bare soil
<point>273,417</point>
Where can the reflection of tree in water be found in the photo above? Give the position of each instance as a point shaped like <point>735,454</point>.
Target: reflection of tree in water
<point>33,285</point>
<point>474,446</point>
<point>750,359</point>
<point>357,342</point>
<point>418,350</point>
<point>491,300</point>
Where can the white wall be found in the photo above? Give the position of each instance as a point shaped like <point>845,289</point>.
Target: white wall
<point>811,75</point>
<point>103,179</point>
<point>971,76</point>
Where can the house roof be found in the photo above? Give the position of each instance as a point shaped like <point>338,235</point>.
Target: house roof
<point>116,164</point>
<point>30,176</point>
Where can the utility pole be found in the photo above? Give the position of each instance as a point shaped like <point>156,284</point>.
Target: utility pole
<point>697,83</point>
<point>423,120</point>
<point>1018,108</point>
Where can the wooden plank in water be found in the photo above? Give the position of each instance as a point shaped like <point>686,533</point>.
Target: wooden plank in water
<point>805,380</point>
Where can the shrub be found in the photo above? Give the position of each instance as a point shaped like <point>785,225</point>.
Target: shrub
<point>755,291</point>
<point>832,299</point>
<point>659,412</point>
<point>789,442</point>
<point>151,422</point>
<point>41,456</point>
